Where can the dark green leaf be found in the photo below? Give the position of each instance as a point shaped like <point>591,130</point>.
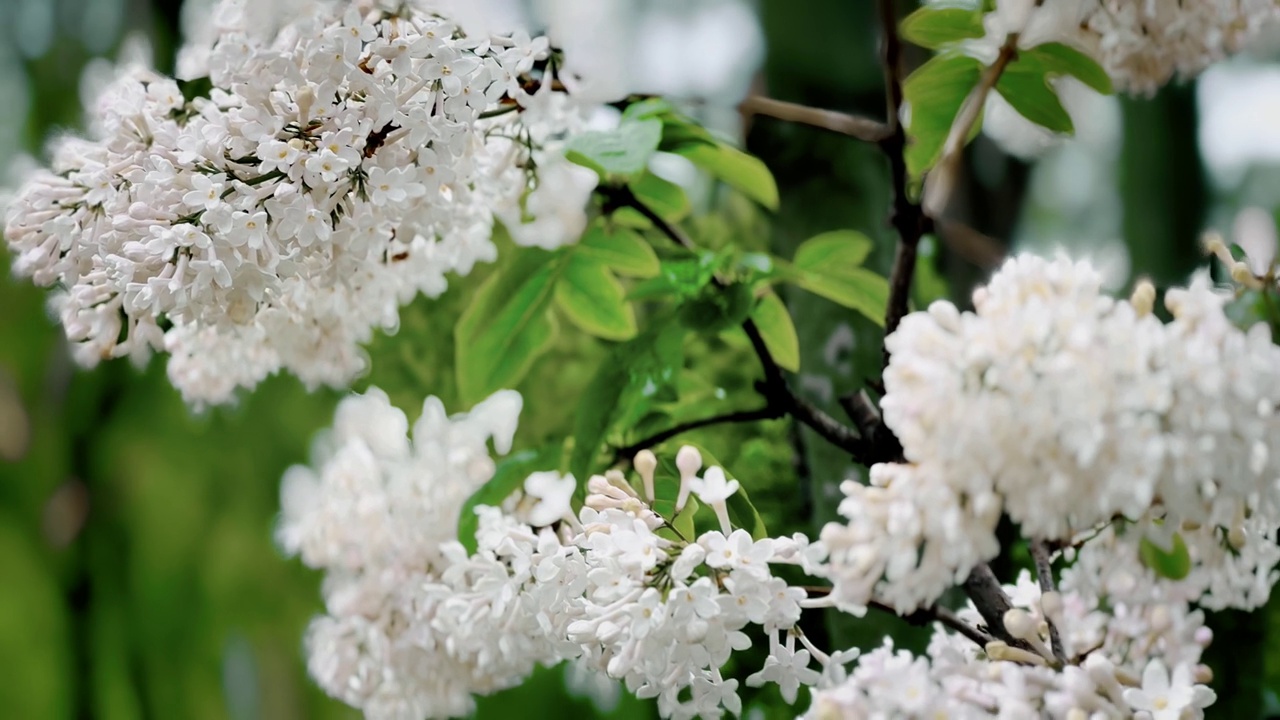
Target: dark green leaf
<point>1174,564</point>
<point>833,251</point>
<point>507,326</point>
<point>1027,89</point>
<point>663,197</point>
<point>622,152</point>
<point>1066,60</point>
<point>932,27</point>
<point>195,88</point>
<point>777,330</point>
<point>745,173</point>
<point>509,477</point>
<point>717,308</point>
<point>621,249</point>
<point>593,299</point>
<point>935,92</point>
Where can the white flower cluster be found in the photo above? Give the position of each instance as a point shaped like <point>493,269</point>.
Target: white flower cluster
<point>333,171</point>
<point>416,626</point>
<point>953,679</point>
<point>1142,44</point>
<point>1066,410</point>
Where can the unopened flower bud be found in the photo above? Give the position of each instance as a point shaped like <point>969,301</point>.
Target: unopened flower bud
<point>645,463</point>
<point>688,462</point>
<point>1019,623</point>
<point>1203,674</point>
<point>1051,606</point>
<point>1143,298</point>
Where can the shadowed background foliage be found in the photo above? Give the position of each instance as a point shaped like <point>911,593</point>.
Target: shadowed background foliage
<point>138,578</point>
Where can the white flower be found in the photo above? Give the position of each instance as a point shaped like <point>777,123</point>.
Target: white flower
<point>554,493</point>
<point>786,667</point>
<point>1169,699</point>
<point>713,490</point>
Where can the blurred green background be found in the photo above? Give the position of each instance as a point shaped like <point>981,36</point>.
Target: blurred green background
<point>138,578</point>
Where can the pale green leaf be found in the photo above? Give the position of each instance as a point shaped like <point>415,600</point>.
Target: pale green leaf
<point>593,299</point>
<point>779,333</point>
<point>622,249</point>
<point>745,173</point>
<point>932,27</point>
<point>934,93</point>
<point>622,152</point>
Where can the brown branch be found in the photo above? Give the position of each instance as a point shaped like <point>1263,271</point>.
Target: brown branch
<point>1044,574</point>
<point>989,599</point>
<point>906,216</point>
<point>977,248</point>
<point>767,412</point>
<point>864,129</point>
<point>939,614</point>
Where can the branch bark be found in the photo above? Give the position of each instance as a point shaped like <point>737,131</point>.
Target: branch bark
<point>767,412</point>
<point>1044,574</point>
<point>864,129</point>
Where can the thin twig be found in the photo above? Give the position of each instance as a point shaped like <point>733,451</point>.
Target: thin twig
<point>1044,573</point>
<point>864,129</point>
<point>765,413</point>
<point>937,613</point>
<point>978,248</point>
<point>907,217</point>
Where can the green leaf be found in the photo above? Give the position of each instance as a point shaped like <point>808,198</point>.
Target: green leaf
<point>683,521</point>
<point>745,173</point>
<point>621,249</point>
<point>833,250</point>
<point>1027,89</point>
<point>647,108</point>
<point>777,330</point>
<point>199,87</point>
<point>509,477</point>
<point>593,299</point>
<point>1174,564</point>
<point>1066,60</point>
<point>622,152</point>
<point>932,27</point>
<point>682,278</point>
<point>935,92</point>
<point>665,198</point>
<point>857,289</point>
<point>640,370</point>
<point>507,326</point>
<point>718,308</point>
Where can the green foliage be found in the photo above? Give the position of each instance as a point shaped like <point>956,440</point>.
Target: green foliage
<point>745,173</point>
<point>1174,563</point>
<point>778,332</point>
<point>828,265</point>
<point>593,299</point>
<point>662,196</point>
<point>621,249</point>
<point>619,153</point>
<point>1025,85</point>
<point>934,27</point>
<point>935,92</point>
<point>507,325</point>
<point>666,478</point>
<point>1059,59</point>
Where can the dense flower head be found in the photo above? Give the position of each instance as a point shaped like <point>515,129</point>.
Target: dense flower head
<point>1067,410</point>
<point>328,173</point>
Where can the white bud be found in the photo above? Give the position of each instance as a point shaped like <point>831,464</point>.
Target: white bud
<point>1203,674</point>
<point>1051,606</point>
<point>645,463</point>
<point>688,461</point>
<point>1019,623</point>
<point>1143,298</point>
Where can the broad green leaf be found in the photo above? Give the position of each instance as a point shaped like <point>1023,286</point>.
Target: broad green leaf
<point>507,326</point>
<point>935,92</point>
<point>593,299</point>
<point>621,249</point>
<point>622,152</point>
<point>507,478</point>
<point>932,27</point>
<point>779,333</point>
<point>857,289</point>
<point>745,173</point>
<point>1174,564</point>
<point>683,522</point>
<point>833,251</point>
<point>1066,60</point>
<point>663,197</point>
<point>1027,89</point>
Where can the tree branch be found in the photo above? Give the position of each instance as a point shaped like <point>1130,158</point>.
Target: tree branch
<point>988,597</point>
<point>1044,574</point>
<point>767,412</point>
<point>864,129</point>
<point>906,216</point>
<point>939,614</point>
